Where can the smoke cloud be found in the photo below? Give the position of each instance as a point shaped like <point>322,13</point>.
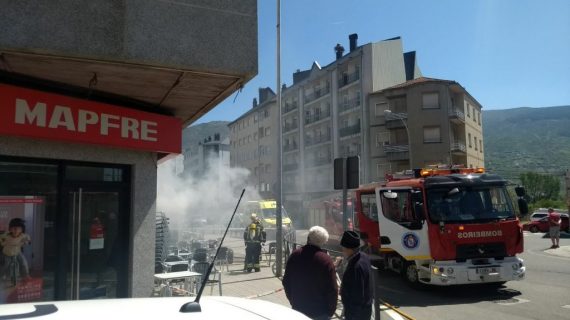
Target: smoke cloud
<point>211,195</point>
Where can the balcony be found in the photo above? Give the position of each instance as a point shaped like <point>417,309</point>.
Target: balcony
<point>397,152</point>
<point>458,148</point>
<point>317,162</point>
<point>290,127</point>
<point>350,130</point>
<point>311,141</point>
<point>290,167</point>
<point>290,147</point>
<point>288,107</point>
<point>317,94</point>
<point>457,116</point>
<point>395,119</point>
<point>344,81</point>
<point>349,105</point>
<point>317,117</point>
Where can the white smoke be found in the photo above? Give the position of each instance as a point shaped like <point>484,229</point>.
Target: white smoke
<point>211,196</point>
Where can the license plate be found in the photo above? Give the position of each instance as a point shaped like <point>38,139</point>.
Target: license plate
<point>486,270</point>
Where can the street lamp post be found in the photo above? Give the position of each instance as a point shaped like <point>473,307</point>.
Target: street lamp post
<point>387,113</point>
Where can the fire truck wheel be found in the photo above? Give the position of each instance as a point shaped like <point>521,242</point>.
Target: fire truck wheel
<point>410,273</point>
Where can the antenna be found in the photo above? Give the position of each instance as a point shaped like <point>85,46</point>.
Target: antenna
<point>194,306</point>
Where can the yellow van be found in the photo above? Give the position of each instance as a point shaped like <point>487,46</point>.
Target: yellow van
<point>266,210</point>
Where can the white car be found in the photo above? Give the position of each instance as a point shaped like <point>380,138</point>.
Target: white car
<point>150,308</point>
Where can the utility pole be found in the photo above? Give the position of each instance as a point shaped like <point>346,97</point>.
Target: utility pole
<point>279,218</point>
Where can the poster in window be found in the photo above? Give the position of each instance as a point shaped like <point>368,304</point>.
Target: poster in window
<point>21,248</point>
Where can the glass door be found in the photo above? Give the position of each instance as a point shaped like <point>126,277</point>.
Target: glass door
<point>95,247</point>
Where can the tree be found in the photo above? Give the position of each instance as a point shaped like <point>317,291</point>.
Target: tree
<point>540,186</point>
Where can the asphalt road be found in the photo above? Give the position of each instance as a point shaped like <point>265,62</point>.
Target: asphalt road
<point>544,294</point>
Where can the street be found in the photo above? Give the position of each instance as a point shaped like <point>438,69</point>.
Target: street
<point>544,294</point>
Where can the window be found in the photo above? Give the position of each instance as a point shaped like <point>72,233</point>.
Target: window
<point>369,208</point>
<point>397,206</point>
<point>380,108</point>
<point>480,146</point>
<point>432,134</point>
<point>475,142</point>
<point>255,136</point>
<point>255,118</point>
<point>468,110</point>
<point>479,118</point>
<point>266,113</point>
<point>357,98</point>
<point>267,131</point>
<point>469,138</point>
<point>382,139</point>
<point>345,101</point>
<point>430,100</point>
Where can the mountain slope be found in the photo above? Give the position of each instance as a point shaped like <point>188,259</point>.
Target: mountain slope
<point>527,139</point>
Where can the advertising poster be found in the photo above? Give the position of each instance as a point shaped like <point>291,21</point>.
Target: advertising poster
<point>21,248</point>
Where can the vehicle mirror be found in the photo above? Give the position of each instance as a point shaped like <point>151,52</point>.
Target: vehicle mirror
<point>523,206</point>
<point>390,195</point>
<point>520,191</point>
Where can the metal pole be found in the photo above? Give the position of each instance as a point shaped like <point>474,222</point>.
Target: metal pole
<point>409,143</point>
<point>344,195</point>
<point>279,220</point>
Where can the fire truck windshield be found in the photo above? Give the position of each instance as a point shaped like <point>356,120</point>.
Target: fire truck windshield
<point>469,204</point>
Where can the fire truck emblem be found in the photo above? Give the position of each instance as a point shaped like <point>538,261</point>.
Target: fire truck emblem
<point>410,240</point>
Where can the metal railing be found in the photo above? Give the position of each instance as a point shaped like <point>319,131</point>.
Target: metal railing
<point>288,107</point>
<point>458,146</point>
<point>290,127</point>
<point>354,129</point>
<point>344,81</point>
<point>396,148</point>
<point>349,104</point>
<point>290,147</point>
<point>317,116</point>
<point>317,162</point>
<point>290,167</point>
<point>396,116</point>
<point>457,114</point>
<point>317,94</point>
<point>309,141</point>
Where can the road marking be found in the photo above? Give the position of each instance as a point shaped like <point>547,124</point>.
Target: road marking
<point>509,302</point>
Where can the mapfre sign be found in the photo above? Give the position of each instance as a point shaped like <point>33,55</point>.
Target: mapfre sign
<point>36,114</point>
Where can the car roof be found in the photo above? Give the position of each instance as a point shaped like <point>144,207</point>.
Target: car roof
<point>157,308</point>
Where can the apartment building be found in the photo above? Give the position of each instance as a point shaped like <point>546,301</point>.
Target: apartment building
<point>212,150</point>
<point>253,143</point>
<point>423,122</point>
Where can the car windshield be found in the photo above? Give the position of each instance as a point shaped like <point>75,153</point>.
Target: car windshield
<point>469,205</point>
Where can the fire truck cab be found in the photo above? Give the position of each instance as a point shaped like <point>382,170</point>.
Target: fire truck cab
<point>443,227</point>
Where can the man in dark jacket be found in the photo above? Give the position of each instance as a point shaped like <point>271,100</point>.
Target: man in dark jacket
<point>310,278</point>
<point>355,291</point>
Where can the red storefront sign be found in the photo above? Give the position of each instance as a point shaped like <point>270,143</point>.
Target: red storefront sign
<point>36,114</point>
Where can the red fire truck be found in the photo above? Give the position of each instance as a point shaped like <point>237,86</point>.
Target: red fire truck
<point>443,226</point>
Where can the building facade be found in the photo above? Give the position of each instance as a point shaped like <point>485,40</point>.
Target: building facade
<point>89,107</point>
<point>253,143</point>
<point>211,150</point>
<point>423,122</point>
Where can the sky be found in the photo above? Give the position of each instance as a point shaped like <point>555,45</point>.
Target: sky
<point>506,53</point>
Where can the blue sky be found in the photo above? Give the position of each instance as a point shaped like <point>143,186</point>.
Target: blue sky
<point>506,53</point>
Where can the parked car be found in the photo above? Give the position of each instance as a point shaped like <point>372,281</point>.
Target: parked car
<point>542,225</point>
<point>541,213</point>
<point>174,263</point>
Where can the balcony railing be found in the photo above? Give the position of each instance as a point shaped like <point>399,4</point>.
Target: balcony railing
<point>317,94</point>
<point>309,141</point>
<point>317,116</point>
<point>350,104</point>
<point>290,127</point>
<point>317,162</point>
<point>457,114</point>
<point>354,129</point>
<point>290,147</point>
<point>397,152</point>
<point>343,81</point>
<point>290,167</point>
<point>350,153</point>
<point>289,107</point>
<point>458,147</point>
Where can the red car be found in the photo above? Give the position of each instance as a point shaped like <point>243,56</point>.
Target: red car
<point>543,226</point>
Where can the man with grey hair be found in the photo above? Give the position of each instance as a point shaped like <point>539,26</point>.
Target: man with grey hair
<point>310,277</point>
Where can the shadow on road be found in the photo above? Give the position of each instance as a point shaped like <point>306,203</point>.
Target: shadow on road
<point>394,290</point>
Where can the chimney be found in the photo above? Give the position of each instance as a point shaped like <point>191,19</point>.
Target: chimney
<point>254,102</point>
<point>353,41</point>
<point>339,51</point>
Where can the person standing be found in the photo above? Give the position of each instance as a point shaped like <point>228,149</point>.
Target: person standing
<point>554,221</point>
<point>253,236</point>
<point>310,278</point>
<point>355,290</point>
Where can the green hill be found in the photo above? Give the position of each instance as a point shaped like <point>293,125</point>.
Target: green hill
<point>527,139</point>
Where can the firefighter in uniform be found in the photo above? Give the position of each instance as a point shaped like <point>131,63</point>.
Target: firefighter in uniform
<point>253,236</point>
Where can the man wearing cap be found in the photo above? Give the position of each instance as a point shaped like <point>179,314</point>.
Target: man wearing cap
<point>355,290</point>
<point>310,278</point>
<point>253,236</point>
